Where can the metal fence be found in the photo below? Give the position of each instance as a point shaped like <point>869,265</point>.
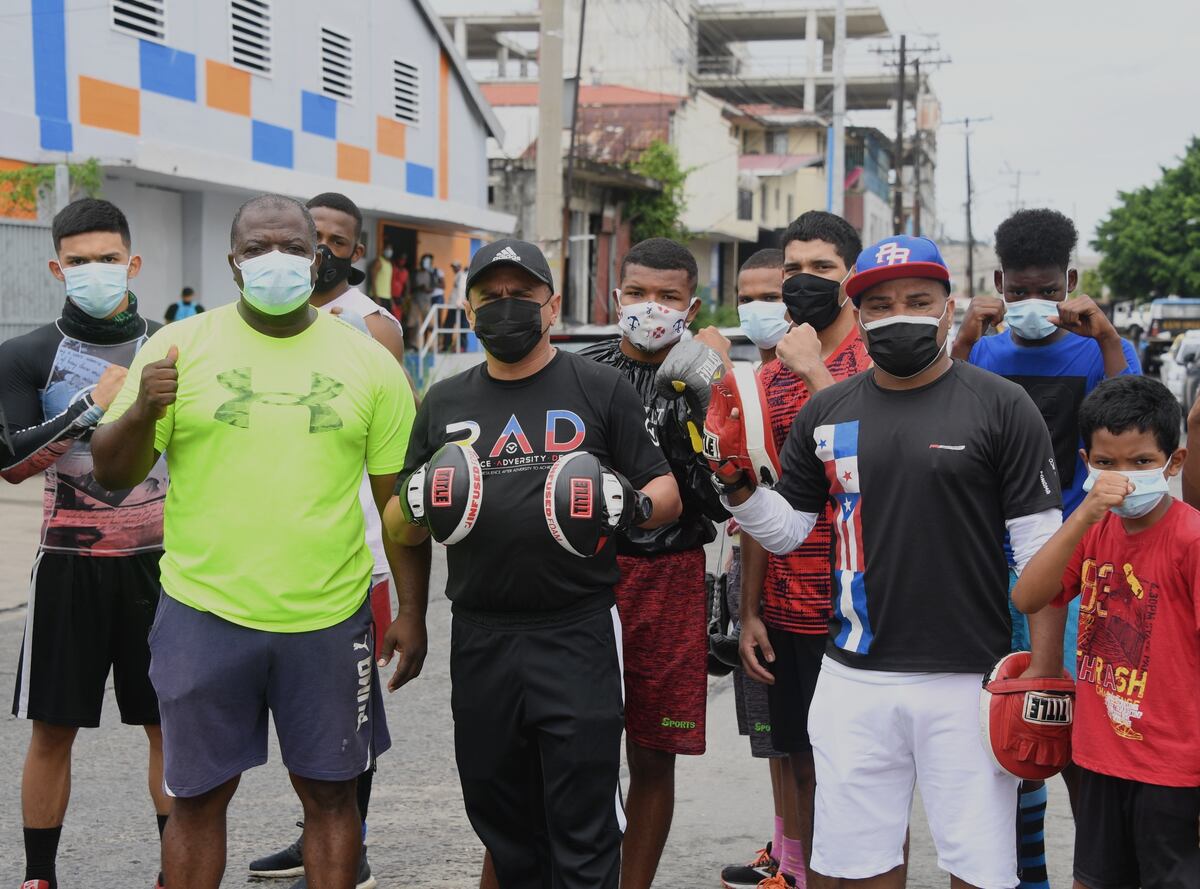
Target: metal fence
<point>29,294</point>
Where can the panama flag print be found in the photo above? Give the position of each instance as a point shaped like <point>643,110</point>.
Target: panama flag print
<point>836,446</point>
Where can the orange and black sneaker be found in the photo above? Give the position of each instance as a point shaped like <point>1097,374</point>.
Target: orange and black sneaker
<point>749,876</point>
<point>779,880</point>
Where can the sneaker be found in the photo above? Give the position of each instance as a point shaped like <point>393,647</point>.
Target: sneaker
<point>779,880</point>
<point>364,881</point>
<point>36,884</point>
<point>748,876</point>
<point>287,862</point>
<point>160,883</point>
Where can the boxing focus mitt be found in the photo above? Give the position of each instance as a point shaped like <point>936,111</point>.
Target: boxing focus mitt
<point>586,503</point>
<point>1025,724</point>
<point>745,442</point>
<point>445,494</point>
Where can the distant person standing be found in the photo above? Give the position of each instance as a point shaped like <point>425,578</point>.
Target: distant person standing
<point>399,296</point>
<point>380,276</point>
<point>186,307</point>
<point>427,283</point>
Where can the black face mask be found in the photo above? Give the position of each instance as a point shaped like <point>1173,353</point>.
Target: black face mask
<point>812,299</point>
<point>333,271</point>
<point>509,328</point>
<point>903,348</point>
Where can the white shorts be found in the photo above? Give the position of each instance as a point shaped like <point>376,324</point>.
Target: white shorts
<point>875,735</point>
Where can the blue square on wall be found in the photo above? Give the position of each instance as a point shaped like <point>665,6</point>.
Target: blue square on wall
<point>271,144</point>
<point>418,179</point>
<point>318,114</point>
<point>171,72</point>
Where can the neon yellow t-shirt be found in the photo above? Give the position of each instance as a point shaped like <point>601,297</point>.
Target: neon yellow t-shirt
<point>266,443</point>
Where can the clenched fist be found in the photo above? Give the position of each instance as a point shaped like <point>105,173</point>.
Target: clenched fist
<point>1110,489</point>
<point>109,385</point>
<point>1080,315</point>
<point>160,383</point>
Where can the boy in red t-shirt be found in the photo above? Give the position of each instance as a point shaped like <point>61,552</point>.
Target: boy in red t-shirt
<point>1132,553</point>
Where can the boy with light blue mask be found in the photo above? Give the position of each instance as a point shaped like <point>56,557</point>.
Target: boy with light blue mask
<point>1131,555</point>
<point>1058,348</point>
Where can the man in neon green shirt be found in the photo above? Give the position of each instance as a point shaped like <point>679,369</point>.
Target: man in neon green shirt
<point>267,411</point>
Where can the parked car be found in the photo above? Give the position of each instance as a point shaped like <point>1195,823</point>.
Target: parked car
<point>1180,368</point>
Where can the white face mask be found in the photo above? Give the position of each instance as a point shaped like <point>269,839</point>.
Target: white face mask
<point>651,326</point>
<point>277,283</point>
<point>764,322</point>
<point>97,287</point>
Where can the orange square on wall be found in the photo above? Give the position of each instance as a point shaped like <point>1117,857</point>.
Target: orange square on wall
<point>109,106</point>
<point>353,163</point>
<point>389,137</point>
<point>227,88</point>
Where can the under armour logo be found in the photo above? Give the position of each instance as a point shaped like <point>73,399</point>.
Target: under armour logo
<point>236,411</point>
<point>507,253</point>
<point>892,253</point>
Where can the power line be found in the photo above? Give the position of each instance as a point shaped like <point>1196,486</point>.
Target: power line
<point>965,123</point>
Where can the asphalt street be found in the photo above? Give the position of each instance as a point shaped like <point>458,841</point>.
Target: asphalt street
<point>419,837</point>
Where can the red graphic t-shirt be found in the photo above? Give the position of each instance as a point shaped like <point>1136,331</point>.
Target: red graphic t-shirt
<point>1137,710</point>
<point>798,589</point>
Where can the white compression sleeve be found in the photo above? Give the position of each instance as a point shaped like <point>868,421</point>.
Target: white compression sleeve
<point>770,520</point>
<point>1027,534</point>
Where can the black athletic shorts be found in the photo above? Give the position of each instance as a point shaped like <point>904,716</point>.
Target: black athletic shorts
<point>797,665</point>
<point>1130,835</point>
<point>88,614</point>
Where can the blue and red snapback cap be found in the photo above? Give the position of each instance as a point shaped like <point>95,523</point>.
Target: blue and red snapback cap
<point>900,256</point>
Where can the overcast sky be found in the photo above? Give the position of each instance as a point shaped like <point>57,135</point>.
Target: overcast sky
<point>1089,97</point>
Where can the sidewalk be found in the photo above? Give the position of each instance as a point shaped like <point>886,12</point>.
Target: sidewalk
<point>20,529</point>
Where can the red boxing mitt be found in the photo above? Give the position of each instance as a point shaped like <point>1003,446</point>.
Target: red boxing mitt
<point>1026,723</point>
<point>741,443</point>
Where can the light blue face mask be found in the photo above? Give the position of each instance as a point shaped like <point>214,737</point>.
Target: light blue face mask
<point>764,322</point>
<point>1028,318</point>
<point>98,287</point>
<point>1149,488</point>
<point>277,283</point>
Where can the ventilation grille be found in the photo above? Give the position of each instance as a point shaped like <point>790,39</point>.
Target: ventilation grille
<point>250,35</point>
<point>406,92</point>
<point>337,64</point>
<point>141,18</point>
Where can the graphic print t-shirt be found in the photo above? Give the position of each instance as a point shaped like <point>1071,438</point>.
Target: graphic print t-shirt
<point>796,592</point>
<point>921,482</point>
<point>1057,376</point>
<point>267,440</point>
<point>1137,710</point>
<point>43,375</point>
<point>509,564</point>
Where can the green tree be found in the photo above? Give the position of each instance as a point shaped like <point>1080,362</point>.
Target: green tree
<point>1092,283</point>
<point>23,187</point>
<point>1151,241</point>
<point>657,214</point>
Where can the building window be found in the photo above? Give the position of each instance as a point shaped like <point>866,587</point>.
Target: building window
<point>337,64</point>
<point>745,205</point>
<point>250,35</point>
<point>791,213</point>
<point>776,197</point>
<point>762,202</point>
<point>777,142</point>
<point>146,19</point>
<point>406,92</point>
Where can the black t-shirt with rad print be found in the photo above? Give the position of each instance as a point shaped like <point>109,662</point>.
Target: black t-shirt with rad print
<point>921,482</point>
<point>508,565</point>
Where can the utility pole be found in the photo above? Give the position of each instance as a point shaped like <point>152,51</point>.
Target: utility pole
<point>898,152</point>
<point>570,184</point>
<point>965,123</point>
<point>916,150</point>
<point>549,168</point>
<point>838,161</point>
<point>1016,176</point>
<point>901,63</point>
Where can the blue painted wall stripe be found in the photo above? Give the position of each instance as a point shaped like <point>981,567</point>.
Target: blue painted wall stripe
<point>318,114</point>
<point>271,144</point>
<point>50,73</point>
<point>418,179</point>
<point>171,72</point>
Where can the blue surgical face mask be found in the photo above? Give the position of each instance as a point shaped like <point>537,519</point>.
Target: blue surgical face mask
<point>277,283</point>
<point>1028,318</point>
<point>1149,488</point>
<point>98,287</point>
<point>764,322</point>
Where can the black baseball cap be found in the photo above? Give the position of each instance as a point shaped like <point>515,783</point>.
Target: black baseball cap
<point>510,251</point>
